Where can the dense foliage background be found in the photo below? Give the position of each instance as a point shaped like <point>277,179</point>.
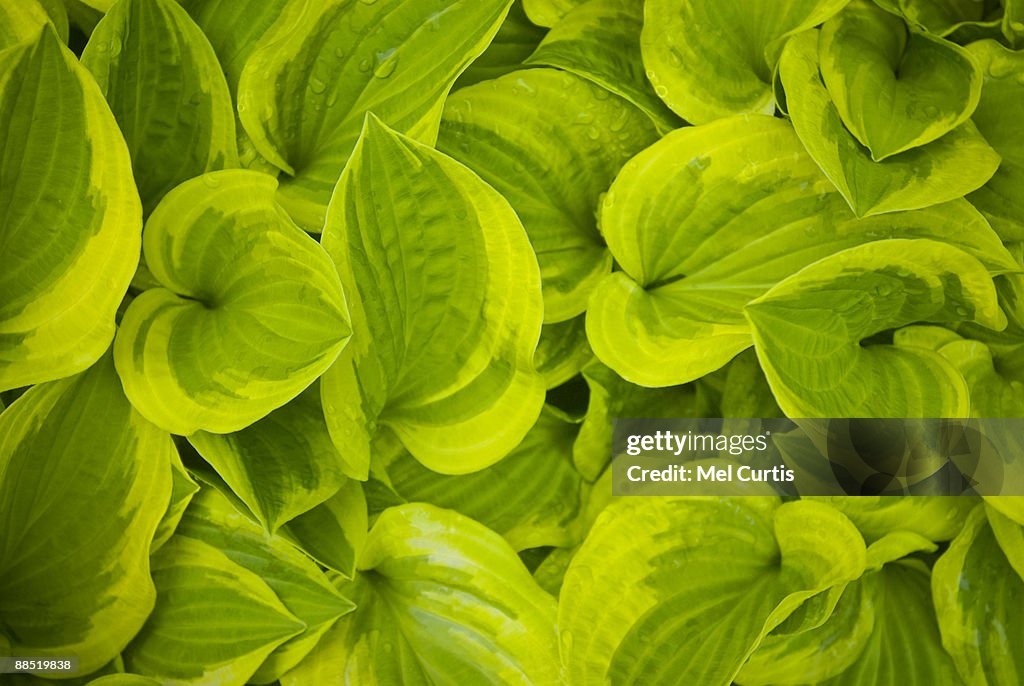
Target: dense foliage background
<point>314,316</point>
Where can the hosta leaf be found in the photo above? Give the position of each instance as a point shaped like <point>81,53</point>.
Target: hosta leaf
<point>551,143</point>
<point>600,40</point>
<point>70,219</point>
<point>977,597</point>
<point>333,533</point>
<point>215,621</point>
<point>234,28</point>
<point>809,329</point>
<point>1010,506</point>
<point>748,207</point>
<point>947,168</point>
<point>682,577</point>
<point>440,600</point>
<point>517,38</point>
<point>183,487</point>
<point>904,646</point>
<point>21,20</point>
<point>124,680</point>
<point>549,12</point>
<point>563,351</point>
<point>251,311</point>
<point>894,89</point>
<point>281,466</point>
<point>994,392</point>
<point>1000,200</point>
<point>310,81</point>
<point>612,397</point>
<point>936,518</point>
<point>816,654</point>
<point>709,60</point>
<point>166,88</point>
<point>940,17</point>
<point>446,306</point>
<point>292,576</point>
<point>531,497</point>
<point>1010,536</point>
<point>746,392</point>
<point>84,480</point>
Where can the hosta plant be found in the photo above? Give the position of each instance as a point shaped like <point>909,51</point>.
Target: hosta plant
<point>315,317</point>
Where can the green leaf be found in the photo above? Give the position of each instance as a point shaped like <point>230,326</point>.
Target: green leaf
<point>746,392</point>
<point>815,655</point>
<point>661,580</point>
<point>947,168</point>
<point>1010,506</point>
<point>994,392</point>
<point>1000,199</point>
<point>612,397</point>
<point>234,28</point>
<point>296,580</point>
<point>21,21</point>
<point>600,41</point>
<point>709,60</point>
<point>183,487</point>
<point>515,41</point>
<point>941,17</point>
<point>748,208</point>
<point>70,216</point>
<point>333,533</point>
<point>551,143</point>
<point>977,597</point>
<point>1010,536</point>
<point>563,351</point>
<point>281,466</point>
<point>894,89</point>
<point>445,298</point>
<point>904,646</point>
<point>84,481</point>
<point>532,497</point>
<point>936,518</point>
<point>124,680</point>
<point>245,292</point>
<point>549,12</point>
<point>166,89</point>
<point>310,81</point>
<point>440,599</point>
<point>215,621</point>
<point>808,330</point>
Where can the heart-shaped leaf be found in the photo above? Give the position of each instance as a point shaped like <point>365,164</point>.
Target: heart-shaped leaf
<point>167,91</point>
<point>952,166</point>
<point>84,481</point>
<point>809,329</point>
<point>709,60</point>
<point>445,297</point>
<point>532,497</point>
<point>747,207</point>
<point>300,585</point>
<point>661,580</point>
<point>70,218</point>
<point>231,262</point>
<point>1001,200</point>
<point>894,89</point>
<point>215,621</point>
<point>319,69</point>
<point>549,12</point>
<point>977,596</point>
<point>440,599</point>
<point>283,465</point>
<point>600,41</point>
<point>551,143</point>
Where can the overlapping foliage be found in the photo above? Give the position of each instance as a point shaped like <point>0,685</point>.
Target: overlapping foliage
<point>314,316</point>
